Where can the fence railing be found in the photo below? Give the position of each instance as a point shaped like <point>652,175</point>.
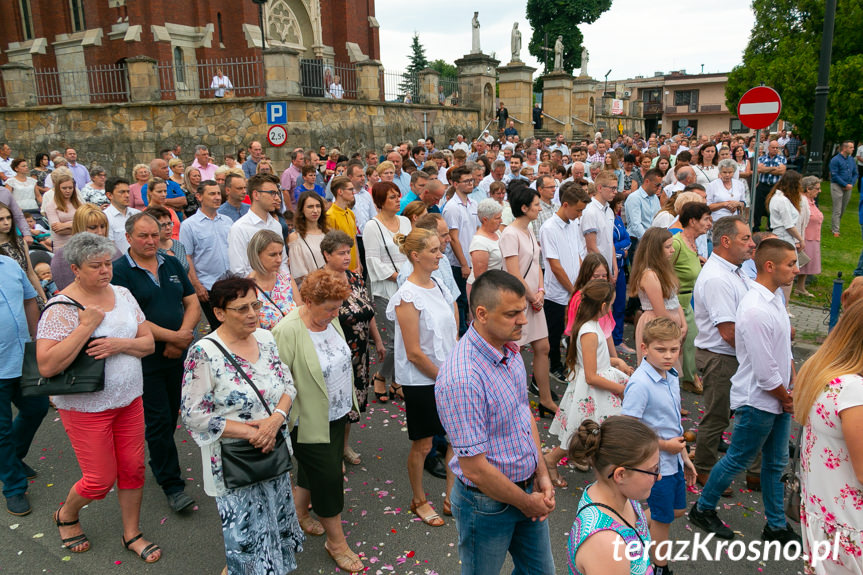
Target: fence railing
<point>451,91</point>
<point>322,79</point>
<point>178,80</point>
<point>93,85</point>
<point>400,86</point>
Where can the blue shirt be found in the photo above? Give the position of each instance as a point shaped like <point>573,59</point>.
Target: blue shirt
<point>768,162</point>
<point>655,400</point>
<point>403,181</point>
<point>206,242</point>
<point>14,289</point>
<point>235,214</point>
<point>301,188</point>
<point>640,209</point>
<point>174,191</point>
<point>250,167</point>
<point>843,171</point>
<point>406,199</point>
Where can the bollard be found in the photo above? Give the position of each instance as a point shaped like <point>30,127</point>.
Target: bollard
<point>835,301</point>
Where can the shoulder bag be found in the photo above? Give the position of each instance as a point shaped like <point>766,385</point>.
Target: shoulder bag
<point>243,464</point>
<point>84,375</point>
<point>791,479</point>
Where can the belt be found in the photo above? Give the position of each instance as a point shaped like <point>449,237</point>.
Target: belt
<point>685,292</point>
<point>523,485</point>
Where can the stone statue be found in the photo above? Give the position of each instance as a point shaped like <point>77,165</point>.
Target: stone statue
<point>474,46</point>
<point>558,53</point>
<point>515,43</point>
<point>584,56</point>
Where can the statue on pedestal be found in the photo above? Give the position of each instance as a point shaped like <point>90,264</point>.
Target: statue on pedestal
<point>558,54</point>
<point>474,46</point>
<point>515,43</point>
<point>584,57</point>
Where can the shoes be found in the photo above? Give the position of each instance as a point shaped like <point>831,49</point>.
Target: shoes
<point>532,388</point>
<point>835,234</point>
<point>702,478</point>
<point>693,386</point>
<point>78,542</point>
<point>352,456</point>
<point>382,396</point>
<point>18,505</point>
<point>179,501</point>
<point>558,374</point>
<point>753,482</point>
<point>624,349</point>
<point>311,526</point>
<point>396,392</point>
<point>709,521</point>
<point>436,467</point>
<point>545,411</point>
<point>784,536</point>
<point>29,471</point>
<point>432,519</point>
<point>146,552</point>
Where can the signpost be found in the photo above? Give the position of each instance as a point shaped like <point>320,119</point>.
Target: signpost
<point>758,109</point>
<point>277,136</point>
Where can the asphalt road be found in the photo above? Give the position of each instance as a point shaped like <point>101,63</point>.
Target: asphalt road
<point>377,519</point>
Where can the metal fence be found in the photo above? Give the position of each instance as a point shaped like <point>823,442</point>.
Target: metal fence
<point>179,80</point>
<point>450,93</point>
<point>323,79</point>
<point>401,87</point>
<point>93,85</point>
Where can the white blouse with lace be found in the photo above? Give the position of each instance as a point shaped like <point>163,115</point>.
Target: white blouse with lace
<point>438,330</point>
<point>124,379</point>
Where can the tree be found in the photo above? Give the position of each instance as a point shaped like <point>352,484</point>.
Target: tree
<point>418,62</point>
<point>448,75</point>
<point>552,18</point>
<point>783,53</point>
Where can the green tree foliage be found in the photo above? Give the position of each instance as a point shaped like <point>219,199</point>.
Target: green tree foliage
<point>448,75</point>
<point>561,18</point>
<point>783,53</point>
<point>418,61</point>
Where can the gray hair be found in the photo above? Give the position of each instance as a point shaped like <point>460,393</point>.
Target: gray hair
<point>726,226</point>
<point>201,148</point>
<point>333,240</point>
<point>727,164</point>
<point>86,246</point>
<point>595,166</point>
<point>488,208</point>
<point>96,170</point>
<point>257,244</point>
<point>498,164</point>
<point>474,166</point>
<point>810,182</point>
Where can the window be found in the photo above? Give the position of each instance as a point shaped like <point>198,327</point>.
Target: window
<point>26,19</point>
<point>219,22</point>
<point>686,98</point>
<point>179,65</point>
<point>76,12</point>
<point>651,95</point>
<point>737,127</point>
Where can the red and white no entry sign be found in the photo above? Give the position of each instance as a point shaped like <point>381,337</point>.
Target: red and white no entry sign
<point>759,107</point>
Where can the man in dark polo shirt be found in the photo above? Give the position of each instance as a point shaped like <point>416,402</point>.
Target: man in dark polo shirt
<point>168,301</point>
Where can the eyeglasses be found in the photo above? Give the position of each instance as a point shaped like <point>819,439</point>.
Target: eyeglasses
<point>271,192</point>
<point>165,225</point>
<point>656,475</point>
<point>467,182</point>
<point>244,309</point>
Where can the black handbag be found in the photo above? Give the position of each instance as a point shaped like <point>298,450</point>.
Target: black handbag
<point>791,479</point>
<point>84,375</point>
<point>244,464</point>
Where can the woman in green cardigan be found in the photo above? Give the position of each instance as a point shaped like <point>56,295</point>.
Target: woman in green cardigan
<point>312,345</point>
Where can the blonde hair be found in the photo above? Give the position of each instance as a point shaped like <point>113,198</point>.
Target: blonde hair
<point>61,178</point>
<point>140,167</point>
<point>173,163</point>
<point>259,242</point>
<point>684,198</point>
<point>840,354</point>
<point>87,215</point>
<point>414,210</point>
<point>384,166</point>
<point>416,241</point>
<point>660,329</point>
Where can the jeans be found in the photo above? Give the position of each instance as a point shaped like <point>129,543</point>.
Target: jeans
<point>162,388</point>
<point>461,302</point>
<point>555,318</point>
<point>487,529</point>
<point>754,430</point>
<point>859,270</point>
<point>619,306</point>
<point>17,435</point>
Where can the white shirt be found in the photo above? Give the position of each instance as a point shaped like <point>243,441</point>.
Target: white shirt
<point>717,293</point>
<point>461,146</point>
<point>599,219</point>
<point>460,216</point>
<point>117,226</point>
<point>364,209</point>
<point>241,234</point>
<point>783,216</point>
<point>485,183</point>
<point>762,332</point>
<point>562,147</point>
<point>6,167</point>
<point>561,241</point>
<point>337,91</point>
<point>671,188</point>
<point>717,192</point>
<point>220,85</point>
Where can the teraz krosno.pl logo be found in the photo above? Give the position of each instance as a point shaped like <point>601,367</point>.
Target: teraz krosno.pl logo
<point>709,550</point>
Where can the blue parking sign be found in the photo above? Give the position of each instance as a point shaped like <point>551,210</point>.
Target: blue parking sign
<point>277,112</point>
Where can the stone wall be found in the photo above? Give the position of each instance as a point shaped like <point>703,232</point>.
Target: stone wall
<point>118,136</point>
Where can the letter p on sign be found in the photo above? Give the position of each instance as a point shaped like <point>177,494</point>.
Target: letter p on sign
<point>277,112</point>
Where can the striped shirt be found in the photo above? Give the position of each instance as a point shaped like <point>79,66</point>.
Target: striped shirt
<point>768,162</point>
<point>482,402</point>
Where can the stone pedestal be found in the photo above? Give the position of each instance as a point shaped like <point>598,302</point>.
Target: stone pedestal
<point>143,79</point>
<point>557,103</point>
<point>515,89</point>
<point>369,80</point>
<point>429,81</point>
<point>282,72</point>
<point>476,74</point>
<point>19,85</point>
<point>583,106</point>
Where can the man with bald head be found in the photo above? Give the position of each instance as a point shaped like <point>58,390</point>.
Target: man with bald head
<point>685,176</point>
<point>432,195</point>
<point>401,178</point>
<point>176,196</point>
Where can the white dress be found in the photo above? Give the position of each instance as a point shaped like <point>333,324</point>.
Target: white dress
<point>24,193</point>
<point>582,401</point>
<point>495,258</point>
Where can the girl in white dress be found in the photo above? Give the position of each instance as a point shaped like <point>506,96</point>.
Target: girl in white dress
<point>595,386</point>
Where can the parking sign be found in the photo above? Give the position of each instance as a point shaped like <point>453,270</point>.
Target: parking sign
<point>277,112</point>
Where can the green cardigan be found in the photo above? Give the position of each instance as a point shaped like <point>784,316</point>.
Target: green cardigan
<point>312,402</point>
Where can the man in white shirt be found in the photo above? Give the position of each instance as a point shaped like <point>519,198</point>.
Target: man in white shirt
<point>562,250</point>
<point>459,215</point>
<point>685,176</point>
<point>498,171</point>
<point>759,395</point>
<point>597,221</point>
<point>460,144</point>
<point>118,211</point>
<point>6,170</point>
<point>263,190</point>
<point>401,178</point>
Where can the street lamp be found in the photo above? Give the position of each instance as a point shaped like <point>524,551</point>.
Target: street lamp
<point>822,88</point>
<point>605,90</point>
<point>260,4</point>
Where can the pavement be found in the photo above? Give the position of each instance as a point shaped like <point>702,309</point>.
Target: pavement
<point>377,520</point>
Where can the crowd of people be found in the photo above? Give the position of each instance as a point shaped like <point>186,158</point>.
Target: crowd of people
<point>249,306</point>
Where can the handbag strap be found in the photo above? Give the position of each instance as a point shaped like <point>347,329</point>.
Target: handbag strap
<point>275,305</point>
<point>384,241</point>
<point>532,253</point>
<point>312,252</point>
<point>240,370</point>
<point>71,302</point>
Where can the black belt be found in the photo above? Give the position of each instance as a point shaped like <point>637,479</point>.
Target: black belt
<point>523,485</point>
<point>685,292</point>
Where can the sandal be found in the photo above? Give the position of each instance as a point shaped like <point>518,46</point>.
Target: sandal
<point>396,392</point>
<point>311,526</point>
<point>70,543</point>
<point>146,552</point>
<point>433,520</point>
<point>383,397</point>
<point>352,456</point>
<point>347,561</point>
<point>447,508</point>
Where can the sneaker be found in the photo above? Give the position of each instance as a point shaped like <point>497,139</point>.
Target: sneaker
<point>29,471</point>
<point>532,388</point>
<point>18,505</point>
<point>558,375</point>
<point>784,536</point>
<point>709,521</point>
<point>179,501</point>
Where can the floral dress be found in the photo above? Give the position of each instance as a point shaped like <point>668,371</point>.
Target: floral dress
<point>355,317</point>
<point>278,302</point>
<point>832,497</point>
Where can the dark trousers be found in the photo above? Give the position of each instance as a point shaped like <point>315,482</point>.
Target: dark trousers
<point>633,304</point>
<point>439,445</point>
<point>361,253</point>
<point>759,206</point>
<point>619,306</point>
<point>162,386</point>
<point>17,435</point>
<point>555,318</point>
<point>461,302</point>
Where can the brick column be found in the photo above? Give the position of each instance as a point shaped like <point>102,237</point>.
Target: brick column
<point>143,79</point>
<point>282,72</point>
<point>429,82</point>
<point>19,85</point>
<point>369,80</point>
<point>557,102</point>
<point>515,88</point>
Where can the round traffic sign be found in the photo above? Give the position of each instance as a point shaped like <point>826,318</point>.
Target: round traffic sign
<point>277,135</point>
<point>683,123</point>
<point>759,107</point>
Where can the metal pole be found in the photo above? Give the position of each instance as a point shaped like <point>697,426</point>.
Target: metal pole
<point>754,180</point>
<point>819,118</point>
<point>425,125</point>
<point>836,301</point>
